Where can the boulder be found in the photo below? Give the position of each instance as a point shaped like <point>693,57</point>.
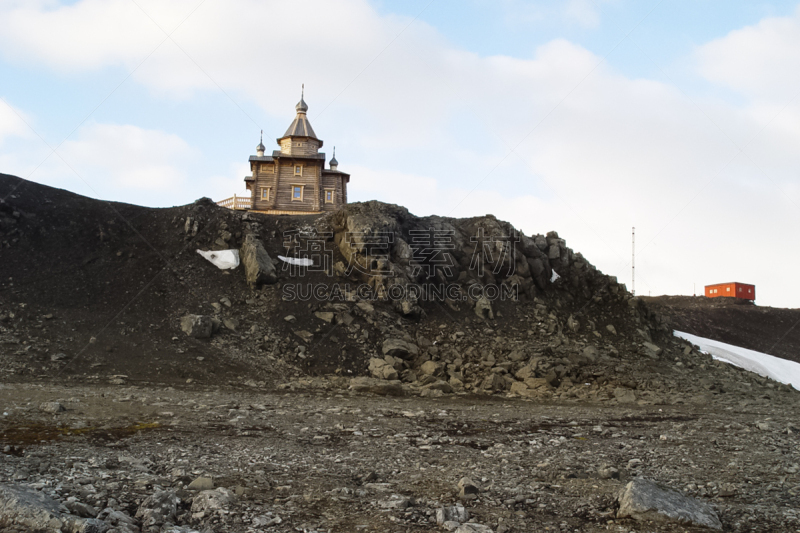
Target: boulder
<point>197,326</point>
<point>431,368</point>
<point>258,266</point>
<point>381,369</point>
<point>493,382</point>
<point>400,348</point>
<point>642,499</point>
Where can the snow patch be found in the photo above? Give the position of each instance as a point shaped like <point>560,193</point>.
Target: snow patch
<point>766,365</point>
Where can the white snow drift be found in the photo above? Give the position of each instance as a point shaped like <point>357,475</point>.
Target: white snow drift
<point>762,364</point>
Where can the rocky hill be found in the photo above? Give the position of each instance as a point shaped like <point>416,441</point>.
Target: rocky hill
<point>96,290</point>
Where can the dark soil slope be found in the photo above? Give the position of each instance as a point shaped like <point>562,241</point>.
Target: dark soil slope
<point>93,290</point>
<point>765,329</point>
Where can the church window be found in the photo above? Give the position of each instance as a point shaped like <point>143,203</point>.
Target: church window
<point>328,196</point>
<point>298,170</point>
<point>297,193</point>
<point>265,193</point>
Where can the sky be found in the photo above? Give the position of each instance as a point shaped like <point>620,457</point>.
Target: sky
<point>680,118</point>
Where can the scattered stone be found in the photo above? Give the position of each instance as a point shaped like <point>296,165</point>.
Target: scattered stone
<point>51,407</point>
<point>642,499</point>
<point>209,501</point>
<point>197,326</point>
<point>467,488</point>
<point>326,316</point>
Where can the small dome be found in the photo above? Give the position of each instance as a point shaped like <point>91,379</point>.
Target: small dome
<point>301,106</point>
<point>334,162</point>
<point>261,147</point>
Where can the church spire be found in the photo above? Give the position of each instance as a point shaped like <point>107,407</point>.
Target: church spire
<point>334,162</point>
<point>301,106</point>
<point>260,148</point>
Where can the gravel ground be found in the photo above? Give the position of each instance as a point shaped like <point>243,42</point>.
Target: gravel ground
<point>332,460</point>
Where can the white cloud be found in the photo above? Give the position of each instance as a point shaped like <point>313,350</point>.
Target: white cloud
<point>129,157</point>
<point>12,122</point>
<point>760,61</point>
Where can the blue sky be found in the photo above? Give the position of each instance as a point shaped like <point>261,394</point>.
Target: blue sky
<point>581,116</point>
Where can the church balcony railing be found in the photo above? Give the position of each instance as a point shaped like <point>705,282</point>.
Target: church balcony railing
<point>237,203</point>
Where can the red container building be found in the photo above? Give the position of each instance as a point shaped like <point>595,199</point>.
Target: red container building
<point>732,290</point>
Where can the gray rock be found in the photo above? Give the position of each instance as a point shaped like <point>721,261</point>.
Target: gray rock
<point>642,499</point>
<point>493,382</point>
<point>473,528</point>
<point>58,357</point>
<point>158,509</point>
<point>212,500</point>
<point>381,369</point>
<point>656,350</point>
<point>119,520</point>
<point>327,316</point>
<point>26,507</point>
<point>483,308</point>
<point>431,368</point>
<point>258,266</point>
<point>453,513</point>
<point>468,488</point>
<point>81,509</point>
<point>201,483</point>
<point>608,472</point>
<point>197,326</point>
<point>399,348</point>
<point>51,407</point>
<point>624,395</point>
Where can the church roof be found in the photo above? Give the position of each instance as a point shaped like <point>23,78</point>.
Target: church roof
<point>300,127</point>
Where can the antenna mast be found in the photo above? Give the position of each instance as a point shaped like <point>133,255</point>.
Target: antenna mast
<point>633,261</point>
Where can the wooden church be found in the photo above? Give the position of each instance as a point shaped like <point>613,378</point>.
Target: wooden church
<point>293,180</point>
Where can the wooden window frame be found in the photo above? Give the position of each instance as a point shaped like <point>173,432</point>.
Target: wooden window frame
<point>332,192</point>
<point>295,167</point>
<point>302,192</point>
<point>269,192</point>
